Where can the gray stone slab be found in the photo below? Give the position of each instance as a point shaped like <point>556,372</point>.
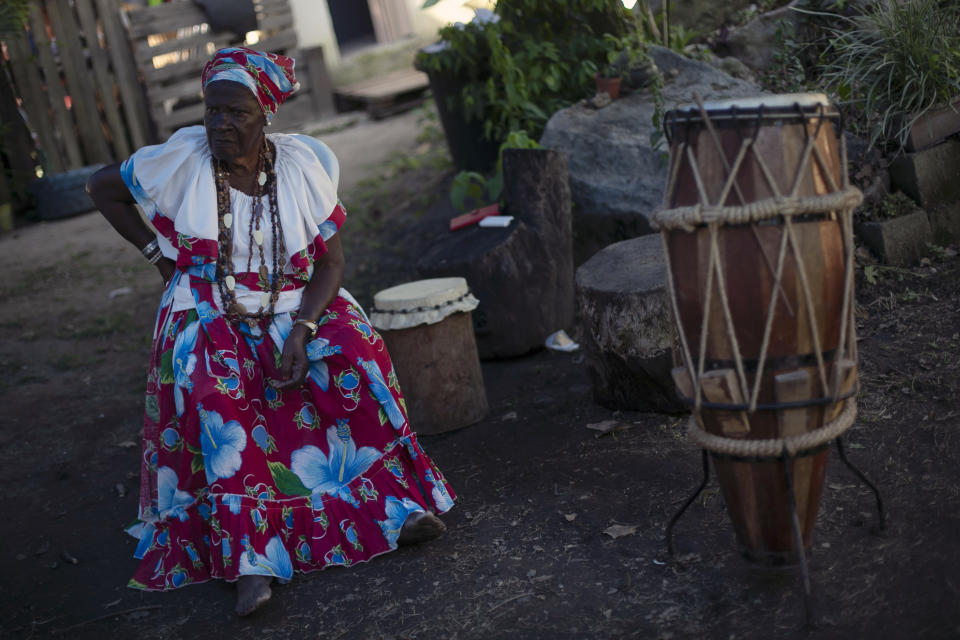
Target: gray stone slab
<point>899,241</point>
<point>625,328</point>
<point>945,223</point>
<point>932,176</point>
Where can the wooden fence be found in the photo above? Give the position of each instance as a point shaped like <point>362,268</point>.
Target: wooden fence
<point>73,73</point>
<point>172,42</point>
<point>94,82</point>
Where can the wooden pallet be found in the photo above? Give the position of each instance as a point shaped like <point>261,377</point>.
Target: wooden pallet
<point>172,43</point>
<point>387,94</point>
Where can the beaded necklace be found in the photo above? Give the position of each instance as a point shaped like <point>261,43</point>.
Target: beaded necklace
<point>226,278</point>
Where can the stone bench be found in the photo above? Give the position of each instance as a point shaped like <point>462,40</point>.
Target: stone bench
<point>623,312</point>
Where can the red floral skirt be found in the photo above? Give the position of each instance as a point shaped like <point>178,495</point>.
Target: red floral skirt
<point>241,479</point>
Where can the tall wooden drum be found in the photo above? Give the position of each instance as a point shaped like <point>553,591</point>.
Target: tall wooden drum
<point>427,328</point>
<point>757,229</point>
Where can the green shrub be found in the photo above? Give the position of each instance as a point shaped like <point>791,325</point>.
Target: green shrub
<point>538,58</point>
<point>897,61</point>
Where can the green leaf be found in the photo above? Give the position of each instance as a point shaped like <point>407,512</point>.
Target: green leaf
<point>133,584</point>
<point>166,367</point>
<point>287,481</point>
<point>152,407</point>
<point>196,465</point>
<point>428,3</point>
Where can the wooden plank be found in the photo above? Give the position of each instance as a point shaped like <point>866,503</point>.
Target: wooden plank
<point>164,18</point>
<point>61,116</point>
<point>179,117</point>
<point>82,98</point>
<point>276,44</point>
<point>391,84</point>
<point>134,107</point>
<point>797,386</point>
<point>181,89</point>
<point>720,385</point>
<point>145,53</point>
<point>105,82</point>
<point>34,101</point>
<point>275,22</point>
<point>316,80</point>
<point>848,378</point>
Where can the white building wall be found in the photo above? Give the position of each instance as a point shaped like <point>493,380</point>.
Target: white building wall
<point>315,28</point>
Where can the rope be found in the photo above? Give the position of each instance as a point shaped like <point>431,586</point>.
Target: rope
<point>774,447</point>
<point>689,217</point>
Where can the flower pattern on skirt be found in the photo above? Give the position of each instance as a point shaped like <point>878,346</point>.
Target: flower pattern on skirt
<point>239,478</point>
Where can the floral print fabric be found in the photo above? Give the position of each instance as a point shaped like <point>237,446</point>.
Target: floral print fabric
<point>243,479</point>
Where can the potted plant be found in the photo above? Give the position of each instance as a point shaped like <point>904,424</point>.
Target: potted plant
<point>526,61</point>
<point>608,80</point>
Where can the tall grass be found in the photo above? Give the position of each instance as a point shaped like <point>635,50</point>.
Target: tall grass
<point>897,61</point>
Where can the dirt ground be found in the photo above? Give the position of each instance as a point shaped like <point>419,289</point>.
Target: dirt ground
<point>526,554</point>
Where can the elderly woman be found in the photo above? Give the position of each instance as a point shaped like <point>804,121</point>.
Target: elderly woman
<point>275,435</point>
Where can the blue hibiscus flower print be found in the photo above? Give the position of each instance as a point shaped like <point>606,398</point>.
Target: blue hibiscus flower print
<point>280,329</point>
<point>233,502</point>
<point>441,497</point>
<point>317,350</point>
<point>331,473</point>
<point>274,561</point>
<point>146,540</point>
<point>221,445</point>
<point>378,385</point>
<point>171,501</point>
<point>184,362</point>
<point>397,512</point>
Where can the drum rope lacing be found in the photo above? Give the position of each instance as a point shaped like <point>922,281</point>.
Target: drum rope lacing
<point>840,202</point>
<point>774,447</point>
<point>435,307</point>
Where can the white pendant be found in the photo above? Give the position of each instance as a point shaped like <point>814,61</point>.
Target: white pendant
<point>230,281</point>
<point>227,220</point>
<point>262,178</point>
<point>264,300</point>
<point>258,237</point>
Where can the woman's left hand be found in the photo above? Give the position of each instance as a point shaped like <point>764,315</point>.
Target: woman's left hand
<point>294,364</point>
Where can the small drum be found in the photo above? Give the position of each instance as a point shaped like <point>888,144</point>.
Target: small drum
<point>428,330</point>
<point>757,228</point>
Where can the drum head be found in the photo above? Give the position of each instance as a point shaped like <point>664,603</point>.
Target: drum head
<point>420,302</point>
<point>753,110</point>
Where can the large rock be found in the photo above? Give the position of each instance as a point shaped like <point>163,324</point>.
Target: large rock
<point>754,43</point>
<point>623,313</point>
<point>523,274</point>
<point>616,179</point>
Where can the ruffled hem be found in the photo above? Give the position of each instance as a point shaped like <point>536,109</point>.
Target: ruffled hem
<point>211,538</point>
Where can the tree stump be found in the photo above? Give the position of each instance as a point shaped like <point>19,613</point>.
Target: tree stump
<point>522,274</point>
<point>623,311</point>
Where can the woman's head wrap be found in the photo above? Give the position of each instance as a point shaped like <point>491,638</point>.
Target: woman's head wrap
<point>268,75</point>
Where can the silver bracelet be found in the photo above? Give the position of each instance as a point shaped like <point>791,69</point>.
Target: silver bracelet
<point>155,258</point>
<point>148,250</point>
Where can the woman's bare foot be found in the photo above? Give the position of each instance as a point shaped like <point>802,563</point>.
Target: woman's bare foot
<point>252,593</point>
<point>420,527</point>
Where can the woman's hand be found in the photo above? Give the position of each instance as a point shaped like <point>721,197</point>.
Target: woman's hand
<point>167,268</point>
<point>294,364</point>
<point>317,296</point>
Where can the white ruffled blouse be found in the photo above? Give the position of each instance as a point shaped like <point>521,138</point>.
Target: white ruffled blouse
<point>175,181</point>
